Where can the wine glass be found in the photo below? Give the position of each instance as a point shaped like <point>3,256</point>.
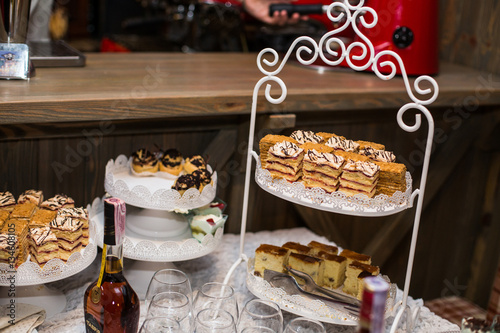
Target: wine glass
<point>261,313</point>
<point>160,325</point>
<point>173,305</point>
<point>216,296</point>
<point>304,325</point>
<point>214,321</point>
<point>169,280</point>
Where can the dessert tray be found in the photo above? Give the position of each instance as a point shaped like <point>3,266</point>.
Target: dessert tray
<point>157,249</point>
<point>305,305</point>
<point>30,273</point>
<point>338,202</point>
<point>153,192</point>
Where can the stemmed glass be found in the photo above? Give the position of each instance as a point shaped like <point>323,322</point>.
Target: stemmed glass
<point>169,280</point>
<point>261,314</point>
<point>216,295</point>
<point>172,305</point>
<point>304,325</point>
<point>160,325</point>
<point>214,321</point>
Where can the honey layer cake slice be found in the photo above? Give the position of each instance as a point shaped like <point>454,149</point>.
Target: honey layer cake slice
<point>319,147</point>
<point>4,216</point>
<point>270,140</point>
<point>334,269</point>
<point>42,218</point>
<point>43,245</point>
<point>7,201</point>
<point>284,160</point>
<point>367,144</point>
<point>57,202</point>
<point>17,228</point>
<point>392,177</point>
<point>378,155</point>
<point>270,257</point>
<point>338,143</point>
<point>24,210</point>
<point>302,137</point>
<point>34,196</point>
<point>322,170</point>
<point>359,177</point>
<point>69,235</point>
<point>307,264</point>
<point>327,135</point>
<point>80,214</point>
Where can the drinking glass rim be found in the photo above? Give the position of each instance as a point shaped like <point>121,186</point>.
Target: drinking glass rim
<point>231,323</point>
<point>269,303</point>
<point>176,324</point>
<point>181,273</point>
<point>152,301</point>
<point>230,288</point>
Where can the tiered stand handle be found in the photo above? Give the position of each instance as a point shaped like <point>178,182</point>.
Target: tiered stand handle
<point>346,15</point>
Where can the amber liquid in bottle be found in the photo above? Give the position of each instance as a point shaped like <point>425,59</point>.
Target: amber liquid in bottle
<point>110,303</point>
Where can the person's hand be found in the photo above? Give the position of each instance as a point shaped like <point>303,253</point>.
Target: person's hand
<point>260,10</point>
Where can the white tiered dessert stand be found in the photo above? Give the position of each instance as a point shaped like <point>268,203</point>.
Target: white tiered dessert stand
<point>344,14</point>
<point>156,234</point>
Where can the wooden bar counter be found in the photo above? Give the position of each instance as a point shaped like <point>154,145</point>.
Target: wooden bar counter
<point>59,129</point>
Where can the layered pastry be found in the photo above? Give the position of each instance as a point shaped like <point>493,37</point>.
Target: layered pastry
<point>317,247</point>
<point>378,155</point>
<point>33,196</point>
<point>43,245</point>
<point>338,143</point>
<point>7,201</point>
<point>367,144</point>
<point>4,215</point>
<point>194,163</point>
<point>268,141</point>
<point>321,148</point>
<point>270,257</point>
<point>203,176</point>
<point>42,218</point>
<point>322,170</point>
<point>306,136</point>
<point>69,234</point>
<point>392,178</point>
<point>185,182</point>
<point>144,160</point>
<point>16,233</point>
<point>171,162</point>
<point>81,214</point>
<point>355,256</point>
<point>333,270</point>
<point>57,202</point>
<point>326,136</point>
<point>295,247</point>
<point>24,210</point>
<point>353,270</point>
<point>284,160</point>
<point>310,265</point>
<point>359,177</point>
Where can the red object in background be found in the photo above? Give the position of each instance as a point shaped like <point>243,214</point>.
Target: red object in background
<point>410,29</point>
<point>108,45</point>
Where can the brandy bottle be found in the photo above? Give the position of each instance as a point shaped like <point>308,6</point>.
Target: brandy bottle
<point>110,303</point>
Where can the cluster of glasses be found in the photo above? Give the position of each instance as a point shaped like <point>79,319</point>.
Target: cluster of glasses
<point>214,309</point>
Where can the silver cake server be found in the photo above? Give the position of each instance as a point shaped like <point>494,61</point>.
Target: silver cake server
<point>291,287</point>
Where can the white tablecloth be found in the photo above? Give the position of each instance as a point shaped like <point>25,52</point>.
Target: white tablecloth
<point>214,267</point>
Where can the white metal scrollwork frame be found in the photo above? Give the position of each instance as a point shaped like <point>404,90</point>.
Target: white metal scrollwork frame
<point>347,13</point>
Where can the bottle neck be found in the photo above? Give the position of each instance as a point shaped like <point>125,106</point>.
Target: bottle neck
<point>114,259</point>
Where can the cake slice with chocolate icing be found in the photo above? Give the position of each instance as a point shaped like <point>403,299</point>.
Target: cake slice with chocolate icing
<point>43,245</point>
<point>359,177</point>
<point>284,160</point>
<point>69,235</point>
<point>322,170</point>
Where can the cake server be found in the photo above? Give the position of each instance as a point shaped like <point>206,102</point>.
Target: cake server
<point>311,287</point>
<point>291,287</point>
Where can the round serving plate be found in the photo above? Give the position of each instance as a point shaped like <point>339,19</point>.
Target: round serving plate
<point>153,192</point>
<point>337,202</point>
<point>156,248</point>
<point>304,305</point>
<point>30,273</point>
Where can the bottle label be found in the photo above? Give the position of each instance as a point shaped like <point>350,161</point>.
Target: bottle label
<point>114,221</point>
<point>92,325</point>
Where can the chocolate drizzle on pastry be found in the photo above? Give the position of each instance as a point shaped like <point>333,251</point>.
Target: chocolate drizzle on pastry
<point>306,136</point>
<point>171,158</point>
<point>33,196</point>
<point>285,149</point>
<point>57,202</point>
<point>378,155</point>
<point>185,182</point>
<point>203,176</point>
<point>346,145</point>
<point>197,161</point>
<point>7,199</point>
<point>42,235</point>
<point>144,157</point>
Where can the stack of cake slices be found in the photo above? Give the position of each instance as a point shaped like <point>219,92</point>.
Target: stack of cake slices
<point>333,163</point>
<point>321,261</point>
